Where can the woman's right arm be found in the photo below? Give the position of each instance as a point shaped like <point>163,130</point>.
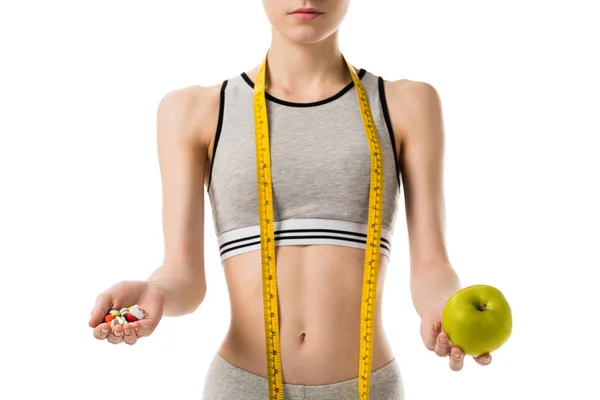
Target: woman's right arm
<point>185,119</point>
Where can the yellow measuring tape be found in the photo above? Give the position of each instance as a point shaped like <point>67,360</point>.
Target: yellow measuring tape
<point>267,239</point>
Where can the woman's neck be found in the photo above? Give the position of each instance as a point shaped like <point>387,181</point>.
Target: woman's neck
<point>300,68</point>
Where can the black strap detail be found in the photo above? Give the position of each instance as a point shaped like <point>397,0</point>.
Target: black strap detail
<point>218,133</point>
<point>361,73</point>
<point>388,124</point>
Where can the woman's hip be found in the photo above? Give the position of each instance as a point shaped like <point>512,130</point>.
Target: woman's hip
<point>227,381</point>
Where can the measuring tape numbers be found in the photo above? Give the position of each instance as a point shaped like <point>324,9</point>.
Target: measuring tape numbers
<point>267,239</point>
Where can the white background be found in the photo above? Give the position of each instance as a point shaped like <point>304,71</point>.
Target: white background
<point>80,82</point>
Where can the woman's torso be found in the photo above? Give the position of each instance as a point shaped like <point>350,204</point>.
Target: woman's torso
<point>320,171</point>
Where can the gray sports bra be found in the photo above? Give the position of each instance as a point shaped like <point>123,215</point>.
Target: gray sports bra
<point>320,169</point>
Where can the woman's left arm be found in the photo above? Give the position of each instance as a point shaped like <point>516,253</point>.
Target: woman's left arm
<point>416,118</point>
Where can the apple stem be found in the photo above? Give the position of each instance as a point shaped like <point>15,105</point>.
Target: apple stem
<point>482,308</point>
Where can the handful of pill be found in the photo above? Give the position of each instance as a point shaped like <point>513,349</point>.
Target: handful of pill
<point>125,315</point>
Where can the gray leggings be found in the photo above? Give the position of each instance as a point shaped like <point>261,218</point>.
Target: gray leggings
<point>225,381</point>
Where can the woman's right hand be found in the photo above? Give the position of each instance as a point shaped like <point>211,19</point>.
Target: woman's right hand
<point>125,294</point>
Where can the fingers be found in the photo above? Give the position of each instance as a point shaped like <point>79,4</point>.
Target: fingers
<point>430,337</point>
<point>101,331</point>
<point>442,345</point>
<point>129,334</point>
<point>457,359</point>
<point>484,360</point>
<point>444,348</point>
<point>116,335</point>
<point>438,341</point>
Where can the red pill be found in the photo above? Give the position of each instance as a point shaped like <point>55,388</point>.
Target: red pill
<point>130,317</point>
<point>108,318</point>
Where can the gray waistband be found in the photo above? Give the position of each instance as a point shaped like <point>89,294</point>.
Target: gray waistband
<point>227,381</point>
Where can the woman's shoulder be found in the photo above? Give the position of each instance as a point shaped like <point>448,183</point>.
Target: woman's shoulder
<point>410,89</point>
<point>412,103</point>
<point>195,108</point>
<point>410,94</point>
<point>193,96</point>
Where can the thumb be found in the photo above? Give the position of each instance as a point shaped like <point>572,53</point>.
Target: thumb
<point>101,308</point>
<point>429,334</point>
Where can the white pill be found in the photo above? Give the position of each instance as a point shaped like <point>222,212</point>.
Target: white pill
<point>136,312</point>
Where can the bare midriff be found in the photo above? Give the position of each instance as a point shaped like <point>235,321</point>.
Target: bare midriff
<point>320,290</point>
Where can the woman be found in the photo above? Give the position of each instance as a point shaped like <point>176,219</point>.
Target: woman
<point>320,173</point>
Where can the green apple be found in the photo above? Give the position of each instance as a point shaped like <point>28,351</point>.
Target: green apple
<point>477,319</point>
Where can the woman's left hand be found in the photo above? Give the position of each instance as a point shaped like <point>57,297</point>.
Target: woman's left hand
<point>437,341</point>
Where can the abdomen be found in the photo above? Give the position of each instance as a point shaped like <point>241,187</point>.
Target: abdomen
<point>320,291</point>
